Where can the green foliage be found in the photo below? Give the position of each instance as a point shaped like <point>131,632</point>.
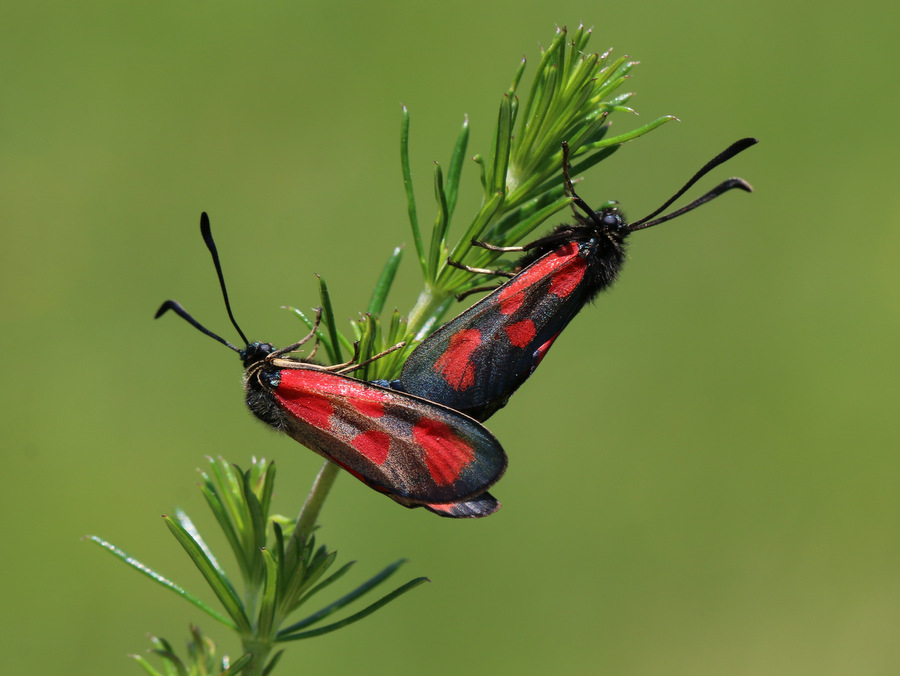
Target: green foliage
<point>571,99</point>
<point>202,658</point>
<point>281,569</point>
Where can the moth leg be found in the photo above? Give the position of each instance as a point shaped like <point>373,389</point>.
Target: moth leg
<point>350,366</point>
<point>315,349</point>
<point>302,341</point>
<point>481,271</point>
<point>477,289</point>
<point>339,368</point>
<point>570,188</point>
<point>501,249</point>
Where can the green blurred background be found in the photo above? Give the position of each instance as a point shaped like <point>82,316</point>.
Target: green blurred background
<point>704,472</point>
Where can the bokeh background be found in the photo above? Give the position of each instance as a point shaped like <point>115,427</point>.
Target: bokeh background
<point>704,471</point>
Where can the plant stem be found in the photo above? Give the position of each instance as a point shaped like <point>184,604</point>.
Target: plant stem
<point>260,651</point>
<point>425,310</point>
<point>309,514</point>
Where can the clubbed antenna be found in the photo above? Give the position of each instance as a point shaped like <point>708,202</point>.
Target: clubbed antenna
<point>725,186</point>
<point>181,312</point>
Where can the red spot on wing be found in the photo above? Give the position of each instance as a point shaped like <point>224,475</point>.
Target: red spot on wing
<point>312,380</point>
<point>567,280</point>
<point>541,352</point>
<point>355,391</point>
<point>306,394</point>
<point>512,303</point>
<point>444,509</point>
<point>521,333</point>
<point>454,365</point>
<point>522,281</point>
<point>446,455</point>
<point>307,406</point>
<point>373,444</point>
<point>370,409</point>
<point>565,252</point>
<point>512,294</point>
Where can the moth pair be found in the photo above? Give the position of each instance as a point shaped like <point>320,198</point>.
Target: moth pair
<point>419,439</point>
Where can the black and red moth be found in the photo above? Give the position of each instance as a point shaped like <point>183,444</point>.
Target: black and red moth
<point>474,362</point>
<point>419,453</point>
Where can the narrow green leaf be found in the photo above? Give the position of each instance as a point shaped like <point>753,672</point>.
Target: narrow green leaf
<point>537,120</point>
<point>482,175</point>
<point>172,665</point>
<point>320,564</point>
<point>581,78</point>
<point>225,498</point>
<point>230,483</point>
<point>577,41</point>
<point>328,318</point>
<point>563,61</point>
<point>220,585</point>
<point>211,494</point>
<point>393,333</point>
<point>412,584</point>
<point>256,530</point>
<point>160,579</point>
<point>502,141</point>
<point>364,588</point>
<point>408,186</point>
<point>279,553</point>
<point>268,604</point>
<point>270,667</point>
<point>517,78</point>
<point>385,280</point>
<point>170,660</point>
<point>185,521</point>
<point>357,327</point>
<point>161,644</point>
<point>145,665</point>
<point>634,133</point>
<point>292,591</point>
<point>620,100</point>
<point>513,115</point>
<point>265,494</point>
<point>608,88</point>
<point>366,346</point>
<point>485,214</point>
<point>293,577</point>
<point>599,133</point>
<point>201,649</point>
<point>456,162</point>
<point>548,57</point>
<point>613,72</point>
<point>320,335</point>
<point>441,223</point>
<point>254,533</point>
<point>331,579</point>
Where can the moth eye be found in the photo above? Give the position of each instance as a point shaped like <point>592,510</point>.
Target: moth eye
<point>611,219</point>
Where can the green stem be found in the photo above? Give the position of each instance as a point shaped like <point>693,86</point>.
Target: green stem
<point>309,514</point>
<point>260,651</point>
<point>429,308</point>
